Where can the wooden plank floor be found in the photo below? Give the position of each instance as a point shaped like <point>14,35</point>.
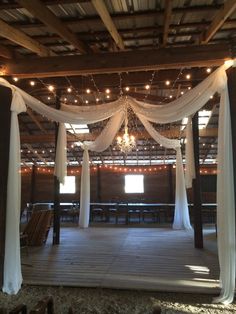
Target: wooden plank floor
<point>128,258</point>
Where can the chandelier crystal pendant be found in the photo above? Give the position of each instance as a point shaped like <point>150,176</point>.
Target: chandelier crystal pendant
<point>127,142</point>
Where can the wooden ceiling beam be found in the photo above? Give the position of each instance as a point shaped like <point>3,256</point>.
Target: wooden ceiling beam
<point>15,5</point>
<point>36,120</point>
<point>172,133</point>
<point>107,21</point>
<point>167,20</point>
<point>42,13</point>
<point>219,19</point>
<point>23,40</point>
<point>141,60</point>
<point>95,20</point>
<point>6,52</point>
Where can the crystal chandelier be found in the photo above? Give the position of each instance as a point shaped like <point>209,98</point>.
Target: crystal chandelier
<point>127,142</point>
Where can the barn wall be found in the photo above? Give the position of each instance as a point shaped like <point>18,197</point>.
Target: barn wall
<point>156,187</point>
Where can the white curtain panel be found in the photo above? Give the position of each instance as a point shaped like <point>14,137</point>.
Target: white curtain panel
<point>182,107</point>
<point>181,216</point>
<point>60,169</point>
<point>12,278</point>
<point>103,141</point>
<point>85,192</point>
<point>225,203</point>
<point>190,173</point>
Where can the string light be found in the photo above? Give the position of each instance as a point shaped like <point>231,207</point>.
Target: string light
<point>51,88</point>
<point>32,83</point>
<point>107,91</point>
<point>167,83</point>
<point>188,76</point>
<point>15,79</point>
<point>147,86</point>
<point>69,89</point>
<point>121,169</point>
<point>208,70</point>
<point>127,88</point>
<point>88,91</point>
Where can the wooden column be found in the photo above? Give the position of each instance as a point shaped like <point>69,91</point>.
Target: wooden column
<point>170,179</point>
<point>197,200</point>
<point>32,188</point>
<point>231,73</point>
<point>56,220</point>
<point>5,122</point>
<point>98,184</point>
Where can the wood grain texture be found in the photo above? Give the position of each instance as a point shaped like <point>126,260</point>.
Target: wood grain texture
<point>125,258</point>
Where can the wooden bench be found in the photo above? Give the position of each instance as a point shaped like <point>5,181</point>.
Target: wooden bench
<point>38,227</point>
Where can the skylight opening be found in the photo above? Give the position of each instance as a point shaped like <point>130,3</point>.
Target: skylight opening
<point>77,128</point>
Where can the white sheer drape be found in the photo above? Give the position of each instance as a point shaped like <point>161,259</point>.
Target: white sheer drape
<point>103,141</point>
<point>85,191</point>
<point>185,105</point>
<point>182,107</point>
<point>12,264</point>
<point>181,216</point>
<point>189,155</point>
<point>225,203</point>
<point>60,169</point>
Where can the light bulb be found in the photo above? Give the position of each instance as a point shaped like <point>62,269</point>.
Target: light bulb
<point>51,88</point>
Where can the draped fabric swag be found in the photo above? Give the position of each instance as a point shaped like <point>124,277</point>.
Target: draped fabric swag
<point>184,106</point>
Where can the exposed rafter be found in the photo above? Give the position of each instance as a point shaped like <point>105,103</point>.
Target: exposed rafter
<point>166,58</point>
<point>5,52</point>
<point>36,120</point>
<point>42,13</point>
<point>167,20</point>
<point>23,40</point>
<point>219,19</point>
<point>173,133</point>
<point>107,20</point>
<point>35,152</point>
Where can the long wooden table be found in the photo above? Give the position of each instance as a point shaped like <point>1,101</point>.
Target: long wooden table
<point>161,211</point>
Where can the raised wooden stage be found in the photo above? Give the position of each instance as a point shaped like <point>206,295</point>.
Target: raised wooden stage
<point>126,258</point>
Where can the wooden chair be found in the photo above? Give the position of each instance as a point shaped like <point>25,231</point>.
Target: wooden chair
<point>122,212</point>
<point>151,213</point>
<point>97,212</point>
<point>113,212</point>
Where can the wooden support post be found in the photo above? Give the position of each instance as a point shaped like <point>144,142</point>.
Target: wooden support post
<point>5,122</point>
<point>170,179</point>
<point>33,179</point>
<point>231,73</point>
<point>56,220</point>
<point>197,201</point>
<point>98,184</point>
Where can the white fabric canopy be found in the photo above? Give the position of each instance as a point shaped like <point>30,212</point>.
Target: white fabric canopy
<point>184,106</point>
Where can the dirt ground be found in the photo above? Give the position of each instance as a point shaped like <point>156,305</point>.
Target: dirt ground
<point>106,301</point>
